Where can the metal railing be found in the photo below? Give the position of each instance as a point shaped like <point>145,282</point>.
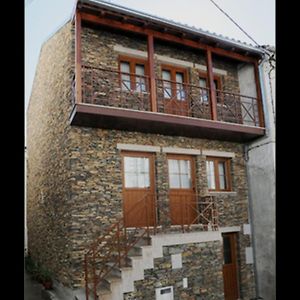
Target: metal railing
<point>236,108</point>
<point>183,99</point>
<point>111,249</point>
<point>102,86</point>
<point>117,89</point>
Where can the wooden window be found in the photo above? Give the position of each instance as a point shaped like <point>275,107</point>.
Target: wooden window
<point>173,83</point>
<point>179,173</point>
<point>133,74</point>
<point>203,83</point>
<point>136,172</point>
<point>218,174</point>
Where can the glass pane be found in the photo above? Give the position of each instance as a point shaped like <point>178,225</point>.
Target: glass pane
<point>174,181</point>
<point>166,75</point>
<point>140,79</point>
<point>203,91</point>
<point>221,167</point>
<point>179,77</point>
<point>210,174</point>
<point>140,70</point>
<point>131,180</point>
<point>136,171</point>
<point>125,78</point>
<point>179,87</point>
<point>202,82</point>
<point>173,166</point>
<point>184,166</point>
<point>130,164</point>
<point>185,181</point>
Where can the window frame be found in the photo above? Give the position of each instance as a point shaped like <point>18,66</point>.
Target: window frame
<point>133,61</point>
<point>227,173</point>
<point>217,79</point>
<point>173,70</point>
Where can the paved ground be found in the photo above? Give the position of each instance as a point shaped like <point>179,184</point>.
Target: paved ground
<point>32,289</point>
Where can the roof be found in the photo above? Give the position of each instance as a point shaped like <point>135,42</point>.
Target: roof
<point>222,40</point>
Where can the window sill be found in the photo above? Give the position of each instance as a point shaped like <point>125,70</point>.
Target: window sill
<point>222,193</point>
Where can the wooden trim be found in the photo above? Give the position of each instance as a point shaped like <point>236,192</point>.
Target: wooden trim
<point>259,96</point>
<point>164,36</point>
<point>78,79</point>
<point>150,48</point>
<point>228,180</point>
<point>210,76</point>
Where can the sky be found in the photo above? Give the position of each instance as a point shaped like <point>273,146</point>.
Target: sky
<point>256,17</point>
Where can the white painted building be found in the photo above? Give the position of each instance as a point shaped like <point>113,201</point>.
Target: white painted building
<point>261,172</point>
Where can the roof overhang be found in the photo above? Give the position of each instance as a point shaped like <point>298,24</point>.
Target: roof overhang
<point>157,23</point>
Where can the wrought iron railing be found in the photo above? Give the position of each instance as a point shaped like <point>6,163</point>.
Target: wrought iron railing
<point>236,108</point>
<point>117,89</point>
<point>111,249</point>
<point>102,86</point>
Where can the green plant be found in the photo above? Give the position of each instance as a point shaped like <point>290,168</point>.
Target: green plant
<point>38,272</point>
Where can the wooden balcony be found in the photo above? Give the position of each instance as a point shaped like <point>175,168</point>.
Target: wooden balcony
<point>123,101</point>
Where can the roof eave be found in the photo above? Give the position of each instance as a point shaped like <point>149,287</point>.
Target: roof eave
<point>157,20</point>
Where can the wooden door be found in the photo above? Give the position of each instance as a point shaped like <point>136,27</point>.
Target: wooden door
<point>231,289</point>
<point>175,92</point>
<point>182,199</point>
<point>138,189</point>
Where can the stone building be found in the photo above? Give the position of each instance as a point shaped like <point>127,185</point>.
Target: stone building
<point>137,181</point>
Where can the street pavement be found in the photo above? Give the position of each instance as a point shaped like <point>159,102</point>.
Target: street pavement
<point>32,289</point>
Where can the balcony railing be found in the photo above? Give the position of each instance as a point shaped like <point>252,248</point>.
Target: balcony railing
<point>112,88</point>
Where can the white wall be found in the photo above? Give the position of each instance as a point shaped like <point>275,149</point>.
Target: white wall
<point>261,176</point>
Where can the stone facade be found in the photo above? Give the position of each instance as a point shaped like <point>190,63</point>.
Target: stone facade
<point>201,265</point>
<point>75,180</point>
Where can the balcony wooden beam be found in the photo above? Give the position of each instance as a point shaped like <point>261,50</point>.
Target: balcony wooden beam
<point>212,90</point>
<point>163,36</point>
<point>150,47</point>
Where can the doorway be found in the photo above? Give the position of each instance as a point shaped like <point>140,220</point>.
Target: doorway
<point>230,266</point>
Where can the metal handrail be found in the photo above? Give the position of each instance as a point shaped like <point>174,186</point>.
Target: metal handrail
<point>116,241</point>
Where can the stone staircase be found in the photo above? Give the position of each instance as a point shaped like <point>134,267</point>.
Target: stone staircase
<point>141,257</point>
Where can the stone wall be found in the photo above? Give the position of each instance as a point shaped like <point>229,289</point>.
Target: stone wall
<point>201,265</point>
<point>48,186</point>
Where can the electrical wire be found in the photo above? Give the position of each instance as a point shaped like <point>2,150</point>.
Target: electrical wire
<point>266,51</point>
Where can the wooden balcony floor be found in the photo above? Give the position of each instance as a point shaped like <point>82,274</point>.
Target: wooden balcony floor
<point>98,116</point>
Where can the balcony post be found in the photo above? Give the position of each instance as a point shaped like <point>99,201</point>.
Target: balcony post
<point>212,90</point>
<point>78,83</point>
<point>259,96</point>
<point>150,48</point>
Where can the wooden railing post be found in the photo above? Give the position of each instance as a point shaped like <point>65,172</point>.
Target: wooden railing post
<point>212,90</point>
<point>150,48</point>
<point>78,83</point>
